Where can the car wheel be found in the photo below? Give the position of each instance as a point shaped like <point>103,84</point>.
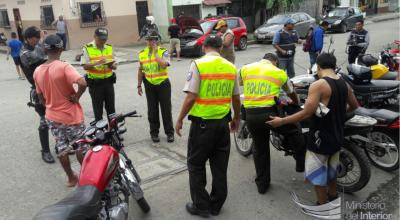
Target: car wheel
<point>343,28</point>
<point>242,43</point>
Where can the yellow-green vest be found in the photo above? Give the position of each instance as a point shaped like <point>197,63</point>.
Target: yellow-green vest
<point>153,72</point>
<point>95,55</point>
<point>217,77</point>
<point>262,82</point>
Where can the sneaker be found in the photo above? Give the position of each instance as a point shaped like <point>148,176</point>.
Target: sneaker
<point>170,138</point>
<point>155,139</point>
<point>195,211</point>
<point>47,157</point>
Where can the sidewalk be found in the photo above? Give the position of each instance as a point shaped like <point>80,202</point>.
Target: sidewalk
<point>123,55</point>
<point>382,17</point>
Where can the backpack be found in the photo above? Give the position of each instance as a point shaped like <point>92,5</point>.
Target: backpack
<point>308,44</point>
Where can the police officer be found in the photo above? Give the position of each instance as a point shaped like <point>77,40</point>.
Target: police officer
<point>262,82</point>
<point>358,41</point>
<point>284,42</point>
<point>32,56</point>
<point>153,72</point>
<point>211,87</point>
<point>98,61</point>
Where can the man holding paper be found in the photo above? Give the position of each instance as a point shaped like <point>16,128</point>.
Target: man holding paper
<point>99,63</point>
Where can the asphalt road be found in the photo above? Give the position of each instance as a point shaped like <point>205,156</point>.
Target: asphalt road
<point>27,184</point>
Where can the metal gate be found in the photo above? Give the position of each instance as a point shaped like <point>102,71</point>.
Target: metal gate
<point>189,10</point>
<point>142,12</point>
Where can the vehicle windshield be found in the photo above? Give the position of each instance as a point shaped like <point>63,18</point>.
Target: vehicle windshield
<point>337,13</point>
<point>278,19</point>
<point>207,25</point>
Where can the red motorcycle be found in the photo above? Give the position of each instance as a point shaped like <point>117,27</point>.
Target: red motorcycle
<point>106,180</point>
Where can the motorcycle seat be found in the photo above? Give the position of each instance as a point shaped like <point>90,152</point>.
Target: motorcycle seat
<point>382,115</point>
<point>373,86</point>
<point>84,202</point>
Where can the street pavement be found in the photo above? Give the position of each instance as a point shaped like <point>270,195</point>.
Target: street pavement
<point>27,184</point>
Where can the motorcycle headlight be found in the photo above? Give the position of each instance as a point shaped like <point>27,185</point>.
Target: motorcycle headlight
<point>191,43</point>
<point>338,22</point>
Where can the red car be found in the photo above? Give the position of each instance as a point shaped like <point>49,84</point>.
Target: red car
<point>194,33</point>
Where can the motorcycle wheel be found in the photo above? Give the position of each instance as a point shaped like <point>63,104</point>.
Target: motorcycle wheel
<point>386,159</point>
<point>354,171</point>
<point>243,140</point>
<point>143,205</point>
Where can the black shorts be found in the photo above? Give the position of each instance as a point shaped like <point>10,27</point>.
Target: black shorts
<point>17,61</point>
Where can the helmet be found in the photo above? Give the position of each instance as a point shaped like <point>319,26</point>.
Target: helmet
<point>368,60</point>
<point>53,42</point>
<point>150,19</point>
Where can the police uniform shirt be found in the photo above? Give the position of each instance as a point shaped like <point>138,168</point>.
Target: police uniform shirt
<point>193,79</point>
<point>86,59</point>
<point>287,87</point>
<point>165,58</point>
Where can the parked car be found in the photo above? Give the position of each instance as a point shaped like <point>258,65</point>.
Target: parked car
<point>342,19</point>
<point>266,32</point>
<point>194,32</point>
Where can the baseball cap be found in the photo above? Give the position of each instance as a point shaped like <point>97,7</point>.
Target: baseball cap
<point>213,41</point>
<point>53,42</point>
<point>102,33</point>
<point>220,24</point>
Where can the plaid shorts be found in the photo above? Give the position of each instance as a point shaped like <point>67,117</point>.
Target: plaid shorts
<point>320,169</point>
<point>65,135</point>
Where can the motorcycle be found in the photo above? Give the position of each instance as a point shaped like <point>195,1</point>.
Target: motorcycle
<point>381,144</point>
<point>107,178</point>
<point>382,67</point>
<point>390,57</point>
<point>354,168</point>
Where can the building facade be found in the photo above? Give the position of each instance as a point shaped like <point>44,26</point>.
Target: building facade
<point>123,18</point>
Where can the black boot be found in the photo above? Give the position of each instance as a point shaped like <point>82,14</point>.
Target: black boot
<point>195,211</point>
<point>44,141</point>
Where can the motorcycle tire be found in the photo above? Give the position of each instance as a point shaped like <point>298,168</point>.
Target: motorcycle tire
<point>144,206</point>
<point>351,149</point>
<point>243,140</point>
<point>389,136</point>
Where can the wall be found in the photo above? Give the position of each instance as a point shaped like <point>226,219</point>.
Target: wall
<point>185,2</point>
<point>208,10</point>
<point>311,7</point>
<point>162,18</point>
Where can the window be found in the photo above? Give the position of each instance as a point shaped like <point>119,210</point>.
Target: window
<point>233,23</point>
<point>357,11</point>
<point>303,17</point>
<point>296,18</point>
<point>92,14</point>
<point>4,21</point>
<point>46,17</point>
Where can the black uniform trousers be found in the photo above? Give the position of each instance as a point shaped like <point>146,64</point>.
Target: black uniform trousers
<point>43,127</point>
<point>102,94</point>
<point>354,52</point>
<point>209,140</point>
<point>260,131</point>
<point>159,95</point>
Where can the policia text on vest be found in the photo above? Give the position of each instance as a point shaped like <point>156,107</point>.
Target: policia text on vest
<point>212,89</point>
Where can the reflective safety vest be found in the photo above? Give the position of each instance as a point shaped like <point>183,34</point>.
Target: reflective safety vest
<point>153,72</point>
<point>217,77</point>
<point>262,82</point>
<point>95,55</point>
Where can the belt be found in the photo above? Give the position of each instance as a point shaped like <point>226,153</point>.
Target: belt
<point>261,110</point>
<point>195,119</point>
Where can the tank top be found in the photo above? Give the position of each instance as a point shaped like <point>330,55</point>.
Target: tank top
<point>327,133</point>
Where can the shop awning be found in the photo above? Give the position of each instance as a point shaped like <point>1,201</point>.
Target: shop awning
<point>216,2</point>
